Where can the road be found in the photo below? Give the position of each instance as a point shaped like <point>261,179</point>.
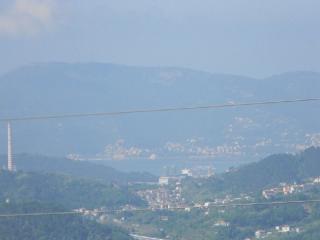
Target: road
<point>138,237</point>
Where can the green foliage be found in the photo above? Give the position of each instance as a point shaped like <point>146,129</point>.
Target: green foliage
<point>254,177</point>
<point>266,217</point>
<point>63,190</point>
<point>243,222</point>
<point>52,227</point>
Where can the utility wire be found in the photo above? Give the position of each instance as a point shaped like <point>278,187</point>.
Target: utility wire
<point>211,205</point>
<point>154,110</point>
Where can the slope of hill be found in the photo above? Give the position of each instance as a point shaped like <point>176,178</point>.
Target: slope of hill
<point>40,163</point>
<point>66,191</point>
<point>252,178</point>
<point>247,133</point>
<point>276,169</point>
<point>52,227</point>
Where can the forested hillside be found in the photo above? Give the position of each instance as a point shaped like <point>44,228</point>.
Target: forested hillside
<point>252,178</point>
<point>63,190</point>
<point>64,227</point>
<point>218,221</point>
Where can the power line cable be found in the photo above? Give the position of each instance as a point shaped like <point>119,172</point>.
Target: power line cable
<point>155,110</point>
<point>211,205</point>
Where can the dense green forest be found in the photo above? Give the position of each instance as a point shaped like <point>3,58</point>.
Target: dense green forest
<point>23,192</point>
<point>65,227</point>
<point>67,191</point>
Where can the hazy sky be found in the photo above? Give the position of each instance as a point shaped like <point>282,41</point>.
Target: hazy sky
<point>251,37</point>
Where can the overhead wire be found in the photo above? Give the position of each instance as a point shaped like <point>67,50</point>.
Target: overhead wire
<point>155,110</point>
<point>211,205</point>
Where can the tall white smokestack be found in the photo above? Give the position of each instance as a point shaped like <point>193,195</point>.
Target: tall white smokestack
<point>11,166</point>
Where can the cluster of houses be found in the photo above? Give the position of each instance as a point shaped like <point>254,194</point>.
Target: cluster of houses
<point>163,197</point>
<point>260,234</point>
<point>102,214</point>
<point>287,189</point>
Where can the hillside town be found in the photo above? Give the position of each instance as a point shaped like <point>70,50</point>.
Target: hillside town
<point>285,189</point>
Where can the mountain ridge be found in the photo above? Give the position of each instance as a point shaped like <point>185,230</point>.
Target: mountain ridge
<point>71,88</point>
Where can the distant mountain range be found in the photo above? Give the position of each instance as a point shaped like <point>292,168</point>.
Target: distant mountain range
<point>240,134</point>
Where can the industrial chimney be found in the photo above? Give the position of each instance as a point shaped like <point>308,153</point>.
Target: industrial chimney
<point>11,166</point>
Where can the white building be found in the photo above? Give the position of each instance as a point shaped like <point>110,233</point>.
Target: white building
<point>260,234</point>
<point>283,229</point>
<point>164,181</point>
<point>168,180</point>
<point>316,180</point>
<point>186,172</point>
<point>222,223</point>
